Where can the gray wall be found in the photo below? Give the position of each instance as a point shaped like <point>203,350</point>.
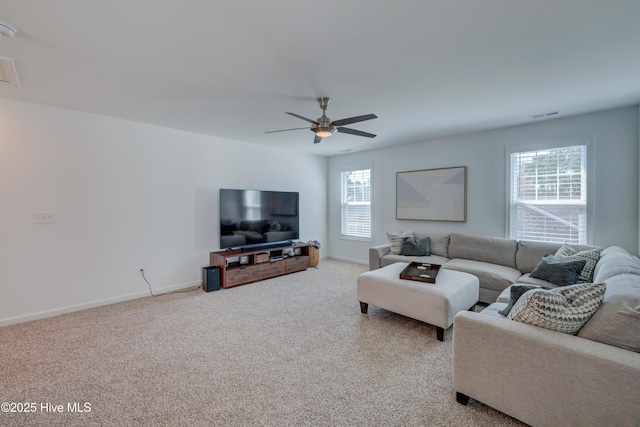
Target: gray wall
<point>126,195</point>
<point>614,175</point>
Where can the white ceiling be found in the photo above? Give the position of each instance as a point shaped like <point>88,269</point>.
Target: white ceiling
<point>232,68</point>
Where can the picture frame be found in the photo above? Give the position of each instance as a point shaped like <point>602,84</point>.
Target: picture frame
<point>432,194</point>
<point>244,259</point>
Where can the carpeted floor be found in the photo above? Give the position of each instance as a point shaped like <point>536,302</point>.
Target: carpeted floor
<point>290,351</point>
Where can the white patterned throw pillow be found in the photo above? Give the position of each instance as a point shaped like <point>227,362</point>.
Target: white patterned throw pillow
<point>568,253</point>
<point>565,309</point>
<point>395,241</point>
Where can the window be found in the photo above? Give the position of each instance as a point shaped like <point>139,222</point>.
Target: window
<point>356,203</point>
<point>548,195</point>
<point>251,204</point>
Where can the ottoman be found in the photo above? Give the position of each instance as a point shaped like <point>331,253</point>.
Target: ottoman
<point>433,303</point>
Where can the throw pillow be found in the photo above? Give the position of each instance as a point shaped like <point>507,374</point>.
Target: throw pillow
<point>412,248</point>
<point>558,272</point>
<point>564,309</point>
<point>516,292</point>
<point>591,256</point>
<point>617,322</point>
<point>395,241</point>
<point>275,226</point>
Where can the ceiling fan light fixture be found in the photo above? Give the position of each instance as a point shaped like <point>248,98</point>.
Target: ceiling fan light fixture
<point>324,127</point>
<point>323,133</point>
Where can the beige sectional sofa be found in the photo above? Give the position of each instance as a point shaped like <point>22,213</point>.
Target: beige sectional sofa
<point>497,262</point>
<point>537,375</point>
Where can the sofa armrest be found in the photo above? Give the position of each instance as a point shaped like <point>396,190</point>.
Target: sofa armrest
<point>543,377</point>
<point>375,255</point>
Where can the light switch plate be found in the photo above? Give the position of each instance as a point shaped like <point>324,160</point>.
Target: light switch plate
<point>44,217</point>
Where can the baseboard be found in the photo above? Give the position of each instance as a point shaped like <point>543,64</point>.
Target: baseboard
<point>93,304</point>
<point>173,288</point>
<point>354,261</point>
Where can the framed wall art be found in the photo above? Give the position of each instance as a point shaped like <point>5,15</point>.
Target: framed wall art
<point>432,194</point>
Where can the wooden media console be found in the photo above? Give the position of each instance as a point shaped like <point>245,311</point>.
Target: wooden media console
<point>239,267</point>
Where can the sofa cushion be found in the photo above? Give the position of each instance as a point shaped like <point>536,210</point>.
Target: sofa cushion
<point>412,248</point>
<point>395,241</point>
<point>494,250</point>
<point>565,309</point>
<point>431,259</point>
<point>613,261</point>
<point>438,243</point>
<point>528,280</point>
<point>591,256</point>
<point>557,271</point>
<point>530,253</point>
<point>491,276</point>
<point>494,310</point>
<point>617,321</point>
<point>515,292</point>
<point>505,296</point>
<point>252,224</point>
<point>251,236</point>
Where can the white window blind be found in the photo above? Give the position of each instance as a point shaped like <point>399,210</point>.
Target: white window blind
<point>251,204</point>
<point>549,195</point>
<point>356,203</point>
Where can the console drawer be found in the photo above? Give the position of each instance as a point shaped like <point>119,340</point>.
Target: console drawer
<point>298,263</point>
<point>238,276</point>
<point>271,269</point>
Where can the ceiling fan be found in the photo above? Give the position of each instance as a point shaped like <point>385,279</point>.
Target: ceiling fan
<point>323,127</point>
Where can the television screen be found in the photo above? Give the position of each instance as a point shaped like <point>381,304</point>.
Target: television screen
<point>255,217</point>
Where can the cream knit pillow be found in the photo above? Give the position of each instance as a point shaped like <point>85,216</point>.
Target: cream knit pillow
<point>395,241</point>
<point>565,309</point>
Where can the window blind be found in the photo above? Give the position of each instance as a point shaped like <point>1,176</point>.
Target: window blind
<point>548,195</point>
<point>356,203</point>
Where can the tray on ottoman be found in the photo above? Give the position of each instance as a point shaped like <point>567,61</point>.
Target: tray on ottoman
<point>421,271</point>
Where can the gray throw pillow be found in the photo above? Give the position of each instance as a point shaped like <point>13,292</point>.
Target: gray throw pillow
<point>412,248</point>
<point>557,271</point>
<point>516,292</point>
<point>591,256</point>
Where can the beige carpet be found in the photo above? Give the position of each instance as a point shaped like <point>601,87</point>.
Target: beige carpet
<point>290,351</point>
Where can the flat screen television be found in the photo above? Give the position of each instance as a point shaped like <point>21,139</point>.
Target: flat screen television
<point>251,218</point>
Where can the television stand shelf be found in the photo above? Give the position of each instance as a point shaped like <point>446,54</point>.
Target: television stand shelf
<point>240,267</point>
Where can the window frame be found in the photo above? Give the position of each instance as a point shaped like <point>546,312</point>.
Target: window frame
<point>581,140</point>
<point>343,205</point>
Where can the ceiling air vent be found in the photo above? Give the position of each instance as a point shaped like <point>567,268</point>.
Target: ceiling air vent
<point>8,73</point>
<point>543,115</point>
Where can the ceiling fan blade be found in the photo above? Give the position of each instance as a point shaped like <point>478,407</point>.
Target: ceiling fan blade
<point>284,130</point>
<point>317,139</point>
<point>301,117</point>
<point>356,119</point>
<point>356,132</point>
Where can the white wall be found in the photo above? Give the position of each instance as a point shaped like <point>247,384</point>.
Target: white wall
<point>614,136</point>
<point>126,195</point>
